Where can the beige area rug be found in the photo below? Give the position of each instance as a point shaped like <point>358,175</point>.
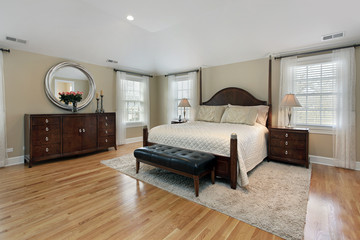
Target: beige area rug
<point>275,201</point>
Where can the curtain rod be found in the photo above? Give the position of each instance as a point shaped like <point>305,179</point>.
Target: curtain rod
<point>133,73</point>
<point>317,51</point>
<point>5,50</point>
<point>178,73</point>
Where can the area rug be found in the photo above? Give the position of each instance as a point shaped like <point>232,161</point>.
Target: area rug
<point>275,200</point>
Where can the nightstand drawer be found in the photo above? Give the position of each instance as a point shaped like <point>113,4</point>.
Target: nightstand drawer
<point>287,143</point>
<point>287,135</point>
<point>288,153</point>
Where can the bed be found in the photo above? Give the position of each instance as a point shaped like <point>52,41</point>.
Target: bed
<point>238,148</point>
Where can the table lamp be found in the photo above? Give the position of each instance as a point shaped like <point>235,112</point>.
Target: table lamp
<point>290,101</point>
<point>184,103</point>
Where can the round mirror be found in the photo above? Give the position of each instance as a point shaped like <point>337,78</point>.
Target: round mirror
<point>66,77</point>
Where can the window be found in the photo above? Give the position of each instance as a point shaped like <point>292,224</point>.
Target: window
<point>182,85</point>
<point>135,100</point>
<point>315,87</point>
<point>179,87</point>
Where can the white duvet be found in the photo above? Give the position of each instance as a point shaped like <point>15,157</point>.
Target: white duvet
<point>215,138</point>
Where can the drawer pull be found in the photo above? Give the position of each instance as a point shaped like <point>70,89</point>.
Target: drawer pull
<point>79,130</point>
<point>286,135</point>
<point>106,124</point>
<point>46,120</point>
<point>105,118</point>
<point>286,152</point>
<point>83,129</point>
<point>106,131</point>
<point>46,149</point>
<point>46,139</point>
<point>286,143</point>
<point>106,140</point>
<point>47,129</point>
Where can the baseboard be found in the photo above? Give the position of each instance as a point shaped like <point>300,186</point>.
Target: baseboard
<point>133,140</point>
<point>328,161</point>
<point>15,161</point>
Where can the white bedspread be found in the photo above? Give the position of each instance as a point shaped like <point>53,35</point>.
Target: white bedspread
<point>215,138</point>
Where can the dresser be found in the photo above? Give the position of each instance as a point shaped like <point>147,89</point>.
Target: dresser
<point>289,145</point>
<point>50,136</point>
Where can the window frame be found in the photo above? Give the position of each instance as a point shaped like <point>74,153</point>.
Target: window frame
<point>182,78</point>
<point>130,124</point>
<point>307,61</point>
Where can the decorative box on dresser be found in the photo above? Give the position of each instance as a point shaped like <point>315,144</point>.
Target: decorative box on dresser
<point>50,136</point>
<point>289,145</point>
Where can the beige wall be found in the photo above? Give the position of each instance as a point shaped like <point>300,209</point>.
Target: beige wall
<point>24,74</point>
<point>253,77</point>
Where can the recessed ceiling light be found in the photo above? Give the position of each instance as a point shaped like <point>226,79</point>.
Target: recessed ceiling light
<point>130,18</point>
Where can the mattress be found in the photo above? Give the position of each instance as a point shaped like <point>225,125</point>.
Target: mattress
<point>215,138</point>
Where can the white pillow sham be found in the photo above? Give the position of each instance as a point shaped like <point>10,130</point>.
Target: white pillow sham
<point>210,113</point>
<point>242,115</point>
<point>262,111</point>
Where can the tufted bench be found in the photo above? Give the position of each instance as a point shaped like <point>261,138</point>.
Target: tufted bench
<point>181,161</point>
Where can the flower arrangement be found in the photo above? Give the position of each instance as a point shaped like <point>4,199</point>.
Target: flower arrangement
<point>70,97</point>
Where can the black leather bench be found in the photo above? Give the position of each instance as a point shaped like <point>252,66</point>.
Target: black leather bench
<point>189,163</point>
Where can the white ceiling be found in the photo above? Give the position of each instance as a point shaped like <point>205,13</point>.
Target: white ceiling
<point>173,35</point>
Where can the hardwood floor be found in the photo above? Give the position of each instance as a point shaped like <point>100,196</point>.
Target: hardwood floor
<point>82,199</point>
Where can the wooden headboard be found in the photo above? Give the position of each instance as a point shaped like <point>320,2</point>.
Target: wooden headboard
<point>234,96</point>
<point>237,96</point>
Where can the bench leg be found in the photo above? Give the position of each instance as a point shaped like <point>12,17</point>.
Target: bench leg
<point>137,166</point>
<point>213,175</point>
<point>196,185</point>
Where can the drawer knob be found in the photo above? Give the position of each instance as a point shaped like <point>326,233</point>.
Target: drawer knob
<point>46,149</point>
<point>106,131</point>
<point>106,118</point>
<point>47,129</point>
<point>106,140</point>
<point>286,143</point>
<point>79,130</point>
<point>46,120</point>
<point>46,139</point>
<point>83,129</point>
<point>106,124</point>
<point>286,135</point>
<point>286,152</point>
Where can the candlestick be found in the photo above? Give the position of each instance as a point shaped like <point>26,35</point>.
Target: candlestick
<point>102,108</point>
<point>97,105</point>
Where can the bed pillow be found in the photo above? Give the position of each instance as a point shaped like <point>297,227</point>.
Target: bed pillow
<point>210,113</point>
<point>242,115</point>
<point>262,111</point>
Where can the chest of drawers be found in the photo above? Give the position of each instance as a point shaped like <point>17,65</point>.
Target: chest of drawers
<point>49,136</point>
<point>289,145</point>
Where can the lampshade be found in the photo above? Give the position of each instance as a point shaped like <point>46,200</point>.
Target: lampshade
<point>290,100</point>
<point>184,103</point>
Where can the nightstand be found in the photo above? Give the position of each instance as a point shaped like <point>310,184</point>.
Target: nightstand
<point>289,145</point>
<point>176,122</point>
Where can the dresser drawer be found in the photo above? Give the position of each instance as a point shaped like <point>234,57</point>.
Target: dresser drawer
<point>41,134</point>
<point>109,119</point>
<point>288,143</point>
<point>103,132</point>
<point>288,153</point>
<point>45,150</point>
<point>108,141</point>
<point>287,135</point>
<point>45,121</point>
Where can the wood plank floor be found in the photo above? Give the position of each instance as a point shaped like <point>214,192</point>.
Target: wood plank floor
<point>82,199</point>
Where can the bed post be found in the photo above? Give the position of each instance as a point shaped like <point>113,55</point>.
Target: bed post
<point>145,136</point>
<point>233,160</point>
<point>269,122</point>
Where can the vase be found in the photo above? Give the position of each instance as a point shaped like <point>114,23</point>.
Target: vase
<point>74,108</point>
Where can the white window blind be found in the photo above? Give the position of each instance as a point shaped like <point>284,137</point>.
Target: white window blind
<point>314,85</point>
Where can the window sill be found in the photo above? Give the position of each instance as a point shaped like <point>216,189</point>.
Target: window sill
<point>134,124</point>
<point>318,130</point>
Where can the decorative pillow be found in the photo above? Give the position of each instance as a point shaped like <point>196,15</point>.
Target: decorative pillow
<point>210,113</point>
<point>262,111</point>
<point>243,115</point>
